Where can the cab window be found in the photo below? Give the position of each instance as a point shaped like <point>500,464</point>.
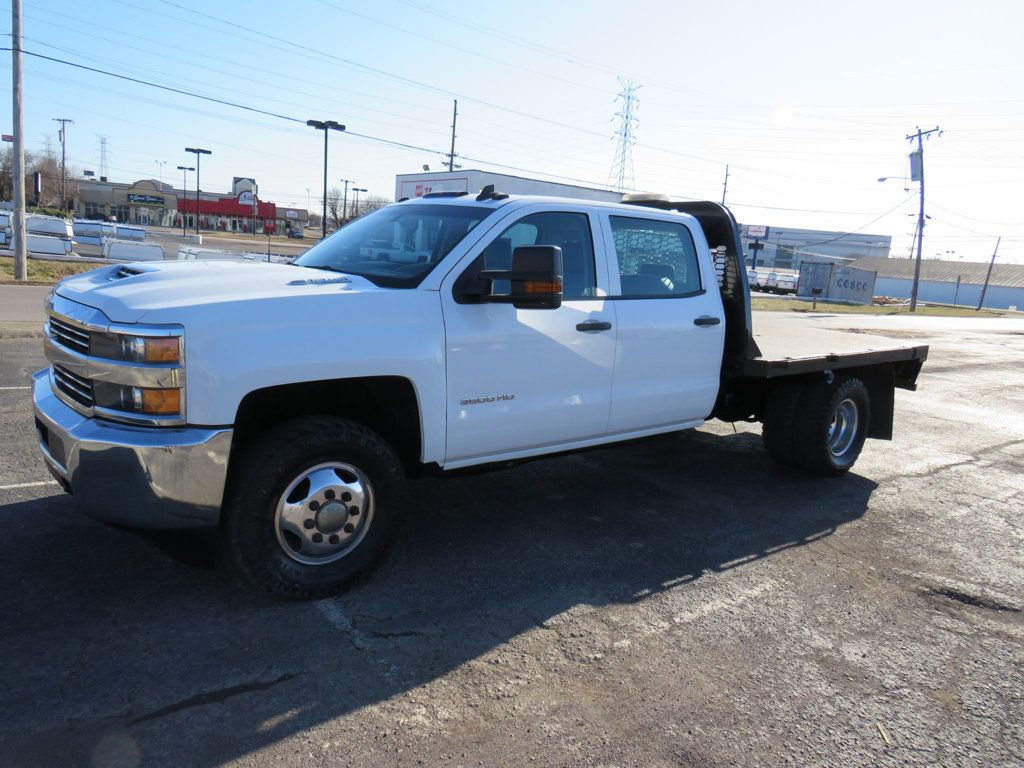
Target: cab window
<point>656,259</point>
<point>569,231</point>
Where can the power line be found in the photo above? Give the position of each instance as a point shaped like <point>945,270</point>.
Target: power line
<point>181,91</point>
<point>865,226</point>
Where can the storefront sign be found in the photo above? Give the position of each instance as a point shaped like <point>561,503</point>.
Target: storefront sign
<point>146,199</point>
<point>247,198</point>
<point>291,214</point>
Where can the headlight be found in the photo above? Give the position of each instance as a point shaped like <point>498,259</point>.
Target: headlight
<point>142,400</point>
<point>136,349</point>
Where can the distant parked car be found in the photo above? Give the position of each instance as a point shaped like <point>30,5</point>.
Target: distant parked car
<point>296,233</point>
<point>781,282</point>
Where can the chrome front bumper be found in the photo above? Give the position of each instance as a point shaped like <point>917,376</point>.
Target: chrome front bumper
<point>144,477</point>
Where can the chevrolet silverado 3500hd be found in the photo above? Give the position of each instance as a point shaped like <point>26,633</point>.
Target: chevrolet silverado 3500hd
<point>286,404</point>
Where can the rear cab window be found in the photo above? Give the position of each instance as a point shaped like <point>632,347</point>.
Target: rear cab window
<point>654,258</point>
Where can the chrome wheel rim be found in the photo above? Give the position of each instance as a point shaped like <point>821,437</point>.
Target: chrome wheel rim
<point>324,513</point>
<point>842,432</point>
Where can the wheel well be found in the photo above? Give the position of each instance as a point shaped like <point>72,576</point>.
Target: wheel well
<point>385,404</point>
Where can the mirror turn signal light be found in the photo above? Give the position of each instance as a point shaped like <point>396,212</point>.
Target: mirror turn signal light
<point>542,286</point>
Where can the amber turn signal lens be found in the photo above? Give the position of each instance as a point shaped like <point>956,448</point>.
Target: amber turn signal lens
<point>163,350</point>
<point>542,286</point>
<point>161,402</point>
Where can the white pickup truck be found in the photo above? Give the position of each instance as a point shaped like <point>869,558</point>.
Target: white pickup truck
<point>287,404</point>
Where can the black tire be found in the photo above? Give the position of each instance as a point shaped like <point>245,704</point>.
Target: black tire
<point>251,542</point>
<point>779,418</point>
<point>814,418</point>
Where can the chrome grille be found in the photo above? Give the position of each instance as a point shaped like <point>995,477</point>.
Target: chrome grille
<point>69,335</point>
<point>74,386</point>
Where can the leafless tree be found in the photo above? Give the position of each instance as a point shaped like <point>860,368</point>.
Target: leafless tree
<point>335,206</point>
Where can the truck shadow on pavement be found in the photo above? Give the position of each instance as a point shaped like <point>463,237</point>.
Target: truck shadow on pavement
<point>119,655</point>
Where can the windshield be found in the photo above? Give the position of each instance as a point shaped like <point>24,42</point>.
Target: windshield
<point>398,245</point>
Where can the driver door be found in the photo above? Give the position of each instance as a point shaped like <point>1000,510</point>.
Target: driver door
<point>521,382</point>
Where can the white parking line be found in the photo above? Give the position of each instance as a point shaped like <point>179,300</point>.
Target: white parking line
<point>18,486</point>
<point>4,389</point>
<point>334,613</point>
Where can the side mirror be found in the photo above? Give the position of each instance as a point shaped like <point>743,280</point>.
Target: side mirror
<point>536,278</point>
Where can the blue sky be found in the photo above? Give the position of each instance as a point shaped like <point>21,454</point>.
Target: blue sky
<point>807,102</point>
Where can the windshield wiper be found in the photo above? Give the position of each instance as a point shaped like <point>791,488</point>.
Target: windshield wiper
<point>326,267</point>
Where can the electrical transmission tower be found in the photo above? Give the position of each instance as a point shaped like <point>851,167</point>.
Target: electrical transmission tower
<point>103,156</point>
<point>621,175</point>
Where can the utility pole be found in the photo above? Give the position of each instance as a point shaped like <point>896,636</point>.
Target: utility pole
<point>988,275</point>
<point>18,171</point>
<point>161,163</point>
<point>344,201</point>
<point>725,184</point>
<point>451,154</point>
<point>63,159</point>
<point>918,171</point>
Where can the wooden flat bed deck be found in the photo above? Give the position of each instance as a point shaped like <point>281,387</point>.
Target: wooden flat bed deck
<point>791,345</point>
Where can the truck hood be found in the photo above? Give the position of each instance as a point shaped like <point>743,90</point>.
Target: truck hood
<point>127,293</point>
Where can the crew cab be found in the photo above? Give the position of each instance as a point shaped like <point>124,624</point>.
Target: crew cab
<point>286,405</point>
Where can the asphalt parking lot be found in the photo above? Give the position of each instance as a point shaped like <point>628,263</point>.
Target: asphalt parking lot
<point>677,602</point>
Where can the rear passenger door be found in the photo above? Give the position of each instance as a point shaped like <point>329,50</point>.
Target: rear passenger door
<point>669,320</point>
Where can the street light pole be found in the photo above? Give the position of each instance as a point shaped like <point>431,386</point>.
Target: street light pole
<point>184,192</point>
<point>198,152</point>
<point>357,190</point>
<point>344,201</point>
<point>325,126</point>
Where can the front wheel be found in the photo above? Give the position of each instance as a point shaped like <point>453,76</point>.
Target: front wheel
<point>312,504</point>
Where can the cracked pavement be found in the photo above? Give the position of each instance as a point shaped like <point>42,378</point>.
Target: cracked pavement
<point>675,602</point>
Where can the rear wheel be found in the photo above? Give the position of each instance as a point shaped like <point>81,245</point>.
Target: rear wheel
<point>312,505</point>
<point>831,425</point>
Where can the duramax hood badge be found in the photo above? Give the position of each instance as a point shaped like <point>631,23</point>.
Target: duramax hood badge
<point>320,281</point>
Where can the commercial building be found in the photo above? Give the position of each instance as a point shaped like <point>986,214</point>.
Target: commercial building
<point>410,185</point>
<point>949,282</point>
<point>788,248</point>
<point>149,202</point>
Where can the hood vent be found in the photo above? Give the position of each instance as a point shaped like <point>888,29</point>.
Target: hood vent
<point>124,272</point>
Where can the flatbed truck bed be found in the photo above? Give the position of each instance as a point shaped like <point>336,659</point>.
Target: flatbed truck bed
<point>790,345</point>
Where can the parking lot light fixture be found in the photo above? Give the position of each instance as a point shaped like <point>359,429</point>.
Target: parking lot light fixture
<point>198,152</point>
<point>184,191</point>
<point>325,126</point>
<point>357,190</point>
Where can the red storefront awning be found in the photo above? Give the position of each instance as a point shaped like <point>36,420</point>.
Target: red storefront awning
<point>227,206</point>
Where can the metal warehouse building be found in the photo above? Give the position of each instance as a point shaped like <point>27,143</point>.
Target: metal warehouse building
<point>949,282</point>
<point>787,248</point>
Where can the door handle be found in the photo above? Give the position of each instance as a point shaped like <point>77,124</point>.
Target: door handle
<point>594,325</point>
<point>707,320</point>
